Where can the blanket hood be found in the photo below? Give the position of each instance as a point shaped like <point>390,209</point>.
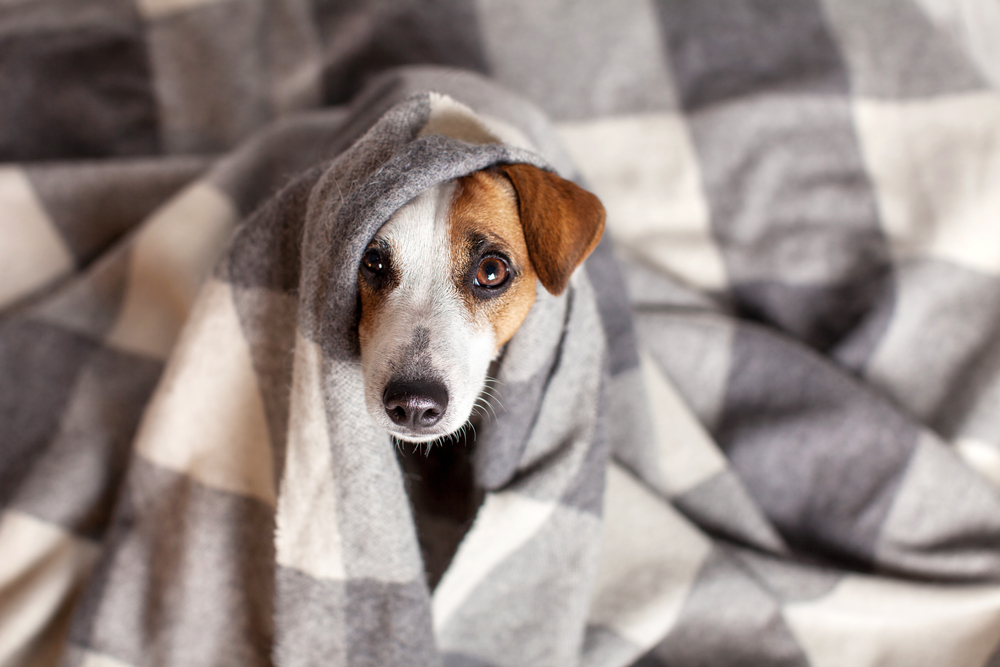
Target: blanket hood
<point>265,511</point>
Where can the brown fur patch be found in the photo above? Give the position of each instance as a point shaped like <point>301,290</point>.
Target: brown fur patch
<point>562,222</point>
<point>372,298</point>
<point>484,214</point>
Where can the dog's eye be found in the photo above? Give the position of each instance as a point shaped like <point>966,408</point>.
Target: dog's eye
<point>492,272</point>
<point>373,261</point>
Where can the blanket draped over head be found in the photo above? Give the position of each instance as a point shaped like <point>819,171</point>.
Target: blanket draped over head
<point>763,435</point>
<point>263,515</point>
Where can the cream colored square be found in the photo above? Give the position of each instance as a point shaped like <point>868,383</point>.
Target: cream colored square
<point>687,455</point>
<point>154,9</point>
<point>870,622</point>
<point>171,256</point>
<point>645,171</point>
<point>453,119</point>
<point>450,118</point>
<point>41,567</point>
<point>92,659</point>
<point>649,561</point>
<point>935,165</point>
<point>32,252</point>
<point>206,419</point>
<point>307,535</point>
<point>982,457</point>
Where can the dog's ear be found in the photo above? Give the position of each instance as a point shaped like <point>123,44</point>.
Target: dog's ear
<point>562,222</point>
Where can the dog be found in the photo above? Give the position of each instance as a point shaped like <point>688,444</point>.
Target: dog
<point>448,279</point>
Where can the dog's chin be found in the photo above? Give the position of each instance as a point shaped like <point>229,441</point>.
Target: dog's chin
<point>441,431</point>
<point>419,439</point>
<point>422,436</point>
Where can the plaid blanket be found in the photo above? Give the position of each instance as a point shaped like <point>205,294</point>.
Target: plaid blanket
<point>769,435</point>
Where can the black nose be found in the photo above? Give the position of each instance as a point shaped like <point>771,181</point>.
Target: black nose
<point>415,404</point>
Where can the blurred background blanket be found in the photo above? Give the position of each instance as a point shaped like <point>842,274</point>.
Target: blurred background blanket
<point>803,414</point>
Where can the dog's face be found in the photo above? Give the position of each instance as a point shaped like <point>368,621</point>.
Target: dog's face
<point>450,277</point>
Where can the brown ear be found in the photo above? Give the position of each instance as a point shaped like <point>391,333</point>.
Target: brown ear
<point>562,222</point>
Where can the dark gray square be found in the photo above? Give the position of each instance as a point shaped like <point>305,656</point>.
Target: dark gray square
<point>337,622</point>
<point>895,51</point>
<point>361,39</point>
<point>40,365</point>
<point>75,82</point>
<point>210,78</point>
<point>728,48</point>
<point>186,577</point>
<point>377,610</point>
<point>819,452</point>
<point>793,212</point>
<point>266,250</point>
<point>75,481</point>
<point>822,316</point>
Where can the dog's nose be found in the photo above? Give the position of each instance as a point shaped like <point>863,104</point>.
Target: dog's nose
<point>415,404</point>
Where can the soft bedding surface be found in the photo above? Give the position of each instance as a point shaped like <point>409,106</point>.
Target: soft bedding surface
<point>768,433</point>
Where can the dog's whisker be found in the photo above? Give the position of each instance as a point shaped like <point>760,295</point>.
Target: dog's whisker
<point>496,381</point>
<point>493,397</point>
<point>486,401</point>
<point>486,409</point>
<point>490,393</point>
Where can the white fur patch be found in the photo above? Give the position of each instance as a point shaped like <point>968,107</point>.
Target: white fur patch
<point>453,119</point>
<point>458,350</point>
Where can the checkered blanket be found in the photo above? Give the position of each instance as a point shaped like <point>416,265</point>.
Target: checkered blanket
<point>769,435</point>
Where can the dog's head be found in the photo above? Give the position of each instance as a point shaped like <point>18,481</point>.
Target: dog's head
<point>450,277</point>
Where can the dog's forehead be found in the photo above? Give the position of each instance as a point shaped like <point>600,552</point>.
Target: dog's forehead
<point>417,233</point>
<point>420,213</point>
